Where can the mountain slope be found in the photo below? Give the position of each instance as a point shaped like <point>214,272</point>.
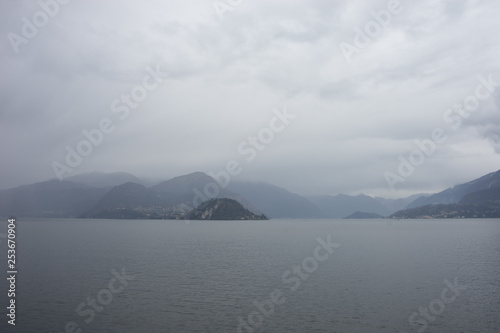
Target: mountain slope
<point>488,209</point>
<point>184,184</point>
<point>200,187</point>
<point>131,200</point>
<point>490,194</point>
<point>52,198</point>
<point>223,209</point>
<point>275,201</point>
<point>132,195</point>
<point>456,193</point>
<point>393,205</point>
<point>472,203</point>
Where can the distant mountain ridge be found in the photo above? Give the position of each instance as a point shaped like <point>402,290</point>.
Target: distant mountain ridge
<point>276,202</point>
<point>490,194</point>
<point>100,195</point>
<point>201,187</point>
<point>51,198</point>
<point>184,184</point>
<point>131,197</point>
<point>341,205</point>
<point>393,205</point>
<point>487,209</point>
<point>479,198</point>
<point>456,193</point>
<point>167,200</point>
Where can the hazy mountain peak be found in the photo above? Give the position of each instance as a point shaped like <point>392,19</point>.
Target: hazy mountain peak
<point>185,183</point>
<point>223,209</point>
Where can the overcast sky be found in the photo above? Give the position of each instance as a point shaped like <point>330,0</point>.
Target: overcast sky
<point>359,100</point>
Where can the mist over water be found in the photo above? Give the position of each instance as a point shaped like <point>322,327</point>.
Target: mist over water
<point>208,276</point>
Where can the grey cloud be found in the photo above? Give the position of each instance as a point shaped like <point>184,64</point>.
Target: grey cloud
<point>226,76</point>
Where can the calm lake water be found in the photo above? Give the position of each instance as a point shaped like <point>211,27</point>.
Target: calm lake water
<point>255,276</point>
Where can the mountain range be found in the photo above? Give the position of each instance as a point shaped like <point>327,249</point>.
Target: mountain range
<point>456,193</point>
<point>122,195</point>
<point>479,198</point>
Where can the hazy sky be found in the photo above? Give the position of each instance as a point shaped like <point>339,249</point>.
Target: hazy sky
<point>362,81</point>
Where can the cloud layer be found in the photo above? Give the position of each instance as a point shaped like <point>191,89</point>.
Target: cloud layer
<point>227,72</point>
